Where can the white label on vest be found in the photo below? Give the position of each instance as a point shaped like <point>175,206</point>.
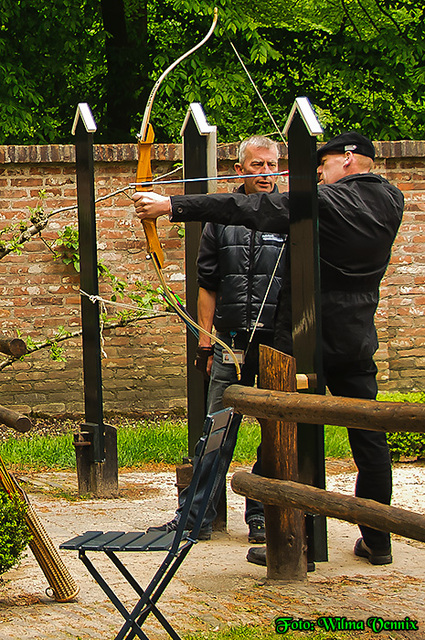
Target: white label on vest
<point>272,236</point>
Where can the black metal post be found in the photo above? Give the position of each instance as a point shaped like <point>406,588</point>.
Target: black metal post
<point>198,148</point>
<point>306,319</point>
<point>100,479</point>
<point>89,285</point>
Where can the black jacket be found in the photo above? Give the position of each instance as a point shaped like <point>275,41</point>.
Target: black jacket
<point>236,263</point>
<point>359,217</point>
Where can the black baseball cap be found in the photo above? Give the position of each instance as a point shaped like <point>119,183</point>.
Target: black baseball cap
<point>350,141</point>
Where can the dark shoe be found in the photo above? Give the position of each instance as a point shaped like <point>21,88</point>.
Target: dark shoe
<point>257,555</point>
<point>167,527</point>
<point>204,534</point>
<point>375,557</point>
<point>257,532</point>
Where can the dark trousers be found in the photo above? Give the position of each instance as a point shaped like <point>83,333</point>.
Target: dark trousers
<point>222,376</point>
<point>370,449</point>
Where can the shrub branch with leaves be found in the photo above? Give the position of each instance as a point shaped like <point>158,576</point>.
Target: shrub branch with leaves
<point>14,533</point>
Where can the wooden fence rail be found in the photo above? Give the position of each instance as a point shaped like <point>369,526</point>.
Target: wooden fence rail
<point>317,409</point>
<point>13,346</point>
<point>329,503</point>
<point>14,420</point>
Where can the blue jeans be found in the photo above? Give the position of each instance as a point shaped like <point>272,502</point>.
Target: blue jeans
<point>222,376</point>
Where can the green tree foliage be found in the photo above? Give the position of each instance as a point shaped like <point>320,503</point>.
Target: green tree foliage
<point>50,59</point>
<point>359,61</point>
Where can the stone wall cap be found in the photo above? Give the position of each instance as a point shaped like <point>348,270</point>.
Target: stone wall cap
<point>65,153</point>
<point>127,152</point>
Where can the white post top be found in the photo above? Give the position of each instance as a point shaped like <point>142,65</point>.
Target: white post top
<point>306,111</point>
<point>84,112</point>
<point>196,111</point>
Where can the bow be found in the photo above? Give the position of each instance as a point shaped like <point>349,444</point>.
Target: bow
<point>145,141</point>
<point>144,174</point>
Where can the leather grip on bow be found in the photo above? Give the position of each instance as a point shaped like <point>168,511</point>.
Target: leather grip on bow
<point>144,174</point>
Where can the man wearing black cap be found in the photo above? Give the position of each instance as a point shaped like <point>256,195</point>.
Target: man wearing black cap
<point>359,216</point>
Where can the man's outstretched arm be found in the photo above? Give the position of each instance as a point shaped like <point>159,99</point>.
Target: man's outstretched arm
<point>259,211</point>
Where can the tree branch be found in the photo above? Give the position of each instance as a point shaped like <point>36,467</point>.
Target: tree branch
<point>122,322</point>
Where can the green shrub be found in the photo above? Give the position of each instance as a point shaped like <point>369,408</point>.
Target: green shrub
<point>14,534</point>
<point>405,444</point>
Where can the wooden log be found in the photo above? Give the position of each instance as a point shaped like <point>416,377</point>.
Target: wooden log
<point>14,420</point>
<point>335,410</point>
<point>335,505</point>
<point>13,347</point>
<point>286,548</point>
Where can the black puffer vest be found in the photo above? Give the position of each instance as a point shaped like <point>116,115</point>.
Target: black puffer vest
<point>237,263</point>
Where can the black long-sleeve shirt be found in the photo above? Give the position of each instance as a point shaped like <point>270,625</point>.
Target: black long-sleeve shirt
<point>359,217</point>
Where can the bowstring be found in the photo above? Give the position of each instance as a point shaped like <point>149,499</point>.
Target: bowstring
<point>278,130</point>
<point>257,91</point>
<point>171,298</point>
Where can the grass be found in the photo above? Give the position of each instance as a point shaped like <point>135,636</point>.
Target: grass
<point>139,443</point>
<point>164,442</point>
<point>39,452</point>
<point>261,632</point>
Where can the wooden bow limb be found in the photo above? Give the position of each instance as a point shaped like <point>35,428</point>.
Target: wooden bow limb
<point>148,109</point>
<point>145,141</point>
<point>144,173</point>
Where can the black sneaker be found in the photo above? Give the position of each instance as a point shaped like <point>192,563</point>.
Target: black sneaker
<point>375,557</point>
<point>204,534</point>
<point>167,527</point>
<point>257,532</point>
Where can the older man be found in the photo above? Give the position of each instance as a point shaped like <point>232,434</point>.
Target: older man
<point>238,297</point>
<point>359,216</point>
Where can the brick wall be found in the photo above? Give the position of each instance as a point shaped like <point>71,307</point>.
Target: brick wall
<point>143,367</point>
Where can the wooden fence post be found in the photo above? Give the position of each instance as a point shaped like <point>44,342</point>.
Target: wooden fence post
<point>286,548</point>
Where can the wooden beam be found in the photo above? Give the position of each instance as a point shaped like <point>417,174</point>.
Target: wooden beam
<point>14,420</point>
<point>316,409</point>
<point>13,346</point>
<point>335,505</point>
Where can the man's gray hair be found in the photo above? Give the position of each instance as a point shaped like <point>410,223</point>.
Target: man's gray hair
<point>261,142</point>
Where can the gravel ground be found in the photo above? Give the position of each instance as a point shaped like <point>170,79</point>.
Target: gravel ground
<point>53,426</point>
<point>215,587</point>
<point>41,427</point>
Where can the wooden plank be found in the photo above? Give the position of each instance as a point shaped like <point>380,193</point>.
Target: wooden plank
<point>90,321</point>
<point>356,510</point>
<point>196,161</point>
<point>315,409</point>
<point>76,542</point>
<point>306,305</point>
